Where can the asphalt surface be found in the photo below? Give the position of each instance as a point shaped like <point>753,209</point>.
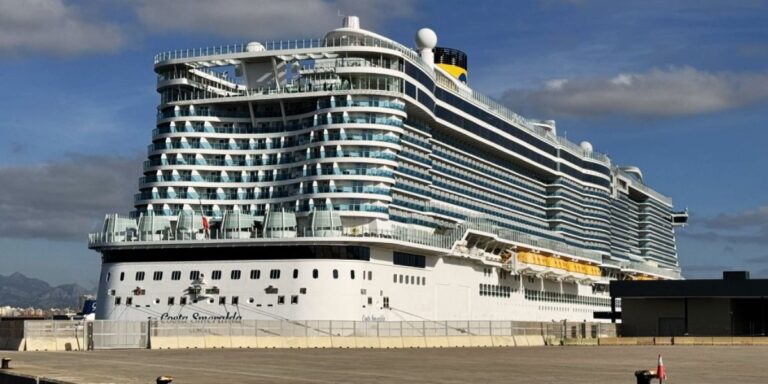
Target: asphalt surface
<point>695,364</point>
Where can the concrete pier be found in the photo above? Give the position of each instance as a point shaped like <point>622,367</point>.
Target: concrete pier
<point>577,364</point>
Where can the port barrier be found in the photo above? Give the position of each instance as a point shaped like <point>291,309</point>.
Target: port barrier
<point>55,335</point>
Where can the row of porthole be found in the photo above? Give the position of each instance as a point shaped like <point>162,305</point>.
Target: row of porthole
<point>411,280</point>
<point>234,300</point>
<point>235,274</point>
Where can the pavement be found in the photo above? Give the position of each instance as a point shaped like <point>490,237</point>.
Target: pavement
<point>605,364</point>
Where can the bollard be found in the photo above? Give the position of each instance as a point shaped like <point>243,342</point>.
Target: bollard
<point>644,376</point>
<point>164,379</point>
<point>6,362</point>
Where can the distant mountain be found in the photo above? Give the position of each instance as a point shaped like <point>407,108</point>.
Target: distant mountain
<point>18,290</point>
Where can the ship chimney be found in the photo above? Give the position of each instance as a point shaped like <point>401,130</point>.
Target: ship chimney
<point>352,22</point>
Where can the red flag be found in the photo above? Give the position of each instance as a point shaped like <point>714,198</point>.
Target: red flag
<point>205,223</point>
<point>660,372</point>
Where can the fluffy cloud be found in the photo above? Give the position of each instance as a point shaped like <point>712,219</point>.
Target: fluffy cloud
<point>757,217</point>
<point>263,19</point>
<point>673,91</point>
<point>65,199</point>
<point>51,26</point>
<point>747,227</point>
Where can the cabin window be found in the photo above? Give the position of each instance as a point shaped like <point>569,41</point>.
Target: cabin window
<point>352,274</point>
<point>171,300</point>
<point>294,299</point>
<point>117,300</point>
<point>176,275</point>
<point>281,299</point>
<point>109,275</point>
<point>235,274</point>
<point>314,273</point>
<point>122,276</point>
<point>335,273</point>
<point>386,302</point>
<point>408,259</point>
<point>295,273</point>
<point>216,275</point>
<point>139,276</point>
<point>194,275</point>
<point>222,300</point>
<point>274,274</point>
<point>183,301</point>
<point>128,300</point>
<point>235,300</point>
<point>158,275</point>
<point>255,274</point>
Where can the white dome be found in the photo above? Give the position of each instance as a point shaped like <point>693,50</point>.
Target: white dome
<point>586,146</point>
<point>426,39</point>
<point>254,46</point>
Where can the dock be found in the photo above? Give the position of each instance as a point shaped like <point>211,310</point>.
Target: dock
<point>550,364</point>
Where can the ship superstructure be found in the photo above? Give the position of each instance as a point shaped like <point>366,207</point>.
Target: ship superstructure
<point>351,178</point>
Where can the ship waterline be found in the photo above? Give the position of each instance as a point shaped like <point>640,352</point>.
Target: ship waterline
<point>353,178</point>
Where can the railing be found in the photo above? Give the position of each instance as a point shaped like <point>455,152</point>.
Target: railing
<point>246,146</point>
<point>444,241</point>
<point>634,183</point>
<point>485,226</point>
<point>393,86</point>
<point>641,267</point>
<point>284,160</point>
<point>361,103</point>
<point>346,41</point>
<point>266,178</point>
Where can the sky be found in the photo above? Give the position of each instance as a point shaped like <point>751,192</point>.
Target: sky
<point>678,88</point>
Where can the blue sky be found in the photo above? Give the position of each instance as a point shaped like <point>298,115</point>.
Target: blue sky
<point>678,88</point>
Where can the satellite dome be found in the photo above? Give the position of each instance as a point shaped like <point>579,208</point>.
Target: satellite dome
<point>426,38</point>
<point>254,46</point>
<point>586,146</point>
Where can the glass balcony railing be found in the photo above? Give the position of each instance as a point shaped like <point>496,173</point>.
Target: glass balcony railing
<point>368,83</point>
<point>400,106</point>
<point>145,180</point>
<point>346,41</point>
<point>269,146</point>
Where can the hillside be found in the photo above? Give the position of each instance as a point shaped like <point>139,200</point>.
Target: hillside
<point>21,291</point>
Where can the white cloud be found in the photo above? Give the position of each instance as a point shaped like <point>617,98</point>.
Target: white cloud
<point>53,27</point>
<point>63,199</point>
<point>263,19</point>
<point>746,227</point>
<point>674,91</point>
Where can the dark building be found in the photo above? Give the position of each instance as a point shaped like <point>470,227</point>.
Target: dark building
<point>733,306</point>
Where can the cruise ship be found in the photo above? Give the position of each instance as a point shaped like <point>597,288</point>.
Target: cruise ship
<point>354,178</point>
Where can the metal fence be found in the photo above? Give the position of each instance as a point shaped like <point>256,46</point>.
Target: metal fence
<point>105,334</point>
<point>258,328</point>
<point>108,334</point>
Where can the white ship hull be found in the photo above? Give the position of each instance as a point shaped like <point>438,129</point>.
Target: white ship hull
<point>448,288</point>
